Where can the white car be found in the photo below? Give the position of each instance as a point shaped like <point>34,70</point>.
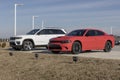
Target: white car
<point>35,38</point>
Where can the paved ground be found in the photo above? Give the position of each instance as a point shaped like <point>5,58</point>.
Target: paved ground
<point>114,54</point>
<point>110,55</point>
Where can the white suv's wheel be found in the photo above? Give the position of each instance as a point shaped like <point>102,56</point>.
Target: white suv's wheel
<point>27,45</point>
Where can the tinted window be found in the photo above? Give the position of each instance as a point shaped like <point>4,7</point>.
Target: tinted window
<point>76,33</point>
<point>33,31</point>
<point>43,32</point>
<point>51,31</point>
<point>91,33</point>
<point>55,31</point>
<point>99,33</point>
<point>94,33</point>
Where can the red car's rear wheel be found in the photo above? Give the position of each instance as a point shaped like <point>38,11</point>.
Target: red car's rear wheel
<point>108,46</point>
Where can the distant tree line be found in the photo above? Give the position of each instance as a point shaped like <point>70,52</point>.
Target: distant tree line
<point>4,39</point>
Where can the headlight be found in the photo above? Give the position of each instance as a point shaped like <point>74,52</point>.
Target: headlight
<point>18,37</point>
<point>66,41</point>
<point>13,38</point>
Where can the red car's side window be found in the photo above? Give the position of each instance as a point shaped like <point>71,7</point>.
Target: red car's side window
<point>90,33</point>
<point>94,33</point>
<point>99,33</point>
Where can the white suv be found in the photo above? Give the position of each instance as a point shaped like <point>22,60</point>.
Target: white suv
<point>34,38</point>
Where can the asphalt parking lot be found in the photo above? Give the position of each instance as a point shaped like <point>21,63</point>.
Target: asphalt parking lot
<point>114,54</point>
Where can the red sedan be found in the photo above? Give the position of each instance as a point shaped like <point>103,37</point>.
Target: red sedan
<point>82,40</point>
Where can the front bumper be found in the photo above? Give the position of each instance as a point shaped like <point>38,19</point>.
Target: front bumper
<point>59,47</point>
<point>15,43</point>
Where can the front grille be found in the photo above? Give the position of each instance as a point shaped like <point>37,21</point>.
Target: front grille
<point>55,41</point>
<point>54,46</point>
<point>12,38</point>
<point>12,44</point>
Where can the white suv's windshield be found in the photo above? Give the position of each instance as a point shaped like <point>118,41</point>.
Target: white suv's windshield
<point>32,32</point>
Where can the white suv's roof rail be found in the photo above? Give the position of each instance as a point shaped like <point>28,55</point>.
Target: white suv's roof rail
<point>54,28</point>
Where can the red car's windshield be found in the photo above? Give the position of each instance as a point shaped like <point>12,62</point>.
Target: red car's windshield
<point>77,33</point>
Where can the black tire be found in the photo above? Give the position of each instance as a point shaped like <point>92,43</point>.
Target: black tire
<point>88,50</point>
<point>76,48</point>
<point>17,48</point>
<point>55,52</point>
<point>108,46</point>
<point>46,47</point>
<point>27,45</point>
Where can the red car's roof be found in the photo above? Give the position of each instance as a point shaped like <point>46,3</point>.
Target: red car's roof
<point>92,29</point>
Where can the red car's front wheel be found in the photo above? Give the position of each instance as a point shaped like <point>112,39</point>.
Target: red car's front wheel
<point>76,48</point>
<point>55,52</point>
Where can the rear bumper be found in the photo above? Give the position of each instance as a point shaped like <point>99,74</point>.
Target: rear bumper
<point>59,47</point>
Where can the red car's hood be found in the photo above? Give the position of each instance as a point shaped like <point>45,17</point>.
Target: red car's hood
<point>63,38</point>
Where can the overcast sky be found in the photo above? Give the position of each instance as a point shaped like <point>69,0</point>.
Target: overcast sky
<point>68,14</point>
